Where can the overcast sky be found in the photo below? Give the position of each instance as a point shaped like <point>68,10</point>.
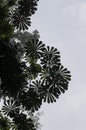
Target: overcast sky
<point>62,23</point>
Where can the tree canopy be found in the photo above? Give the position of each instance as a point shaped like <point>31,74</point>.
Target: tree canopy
<point>30,72</point>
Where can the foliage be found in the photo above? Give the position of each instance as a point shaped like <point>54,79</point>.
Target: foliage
<point>30,72</point>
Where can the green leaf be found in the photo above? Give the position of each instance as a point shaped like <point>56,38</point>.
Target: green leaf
<point>34,49</point>
<point>51,57</point>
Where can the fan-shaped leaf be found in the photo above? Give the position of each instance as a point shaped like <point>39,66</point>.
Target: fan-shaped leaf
<point>34,49</point>
<point>51,57</point>
<point>9,106</point>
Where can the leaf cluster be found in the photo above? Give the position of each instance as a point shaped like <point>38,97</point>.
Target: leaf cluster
<point>30,72</point>
<point>20,15</point>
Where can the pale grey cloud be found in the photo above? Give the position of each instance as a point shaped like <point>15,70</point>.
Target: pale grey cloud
<point>83,13</point>
<point>65,24</point>
<point>62,23</point>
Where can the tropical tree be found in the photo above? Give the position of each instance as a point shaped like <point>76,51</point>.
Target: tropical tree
<point>30,72</point>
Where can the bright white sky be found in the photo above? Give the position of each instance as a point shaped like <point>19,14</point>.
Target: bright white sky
<point>62,23</point>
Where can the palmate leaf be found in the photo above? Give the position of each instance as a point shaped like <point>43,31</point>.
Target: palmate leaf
<point>51,57</point>
<point>36,86</point>
<point>55,81</point>
<point>13,126</point>
<point>23,122</point>
<point>45,75</point>
<point>27,7</point>
<point>4,123</point>
<point>9,106</point>
<point>7,124</point>
<point>44,92</point>
<point>49,97</point>
<point>30,100</point>
<point>62,73</point>
<point>20,15</point>
<point>60,79</point>
<point>52,92</point>
<point>34,49</point>
<point>19,21</point>
<point>47,93</point>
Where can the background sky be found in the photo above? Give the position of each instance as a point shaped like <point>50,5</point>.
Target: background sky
<point>62,24</point>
